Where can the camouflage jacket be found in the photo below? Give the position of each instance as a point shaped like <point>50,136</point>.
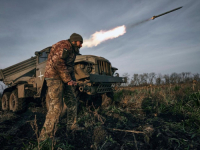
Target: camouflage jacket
<point>57,67</point>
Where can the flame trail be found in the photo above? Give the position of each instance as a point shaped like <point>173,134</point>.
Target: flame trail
<point>101,36</point>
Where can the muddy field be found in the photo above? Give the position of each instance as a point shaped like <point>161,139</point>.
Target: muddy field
<point>138,120</point>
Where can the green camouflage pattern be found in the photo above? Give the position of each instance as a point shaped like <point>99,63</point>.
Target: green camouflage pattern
<point>57,67</point>
<point>55,93</point>
<point>70,100</point>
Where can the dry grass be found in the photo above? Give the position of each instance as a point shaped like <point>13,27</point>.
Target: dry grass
<point>144,118</point>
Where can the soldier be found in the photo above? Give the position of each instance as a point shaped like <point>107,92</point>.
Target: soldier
<point>59,75</point>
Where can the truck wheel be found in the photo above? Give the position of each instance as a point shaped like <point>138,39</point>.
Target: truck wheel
<point>107,99</point>
<point>5,101</point>
<point>16,104</point>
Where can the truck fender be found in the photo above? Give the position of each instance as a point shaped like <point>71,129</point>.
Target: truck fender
<point>9,89</point>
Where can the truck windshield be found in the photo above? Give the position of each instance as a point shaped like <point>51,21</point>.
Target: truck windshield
<point>43,56</point>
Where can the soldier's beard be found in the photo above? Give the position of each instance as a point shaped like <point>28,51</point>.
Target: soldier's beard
<point>76,48</point>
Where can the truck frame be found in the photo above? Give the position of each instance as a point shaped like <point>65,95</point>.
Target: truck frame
<point>25,80</point>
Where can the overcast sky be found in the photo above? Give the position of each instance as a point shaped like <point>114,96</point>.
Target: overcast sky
<point>168,44</point>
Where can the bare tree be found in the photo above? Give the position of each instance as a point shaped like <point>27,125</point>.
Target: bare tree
<point>183,77</point>
<point>146,77</point>
<point>173,78</point>
<point>135,80</point>
<point>159,79</point>
<point>152,76</point>
<point>141,79</point>
<point>128,78</point>
<point>167,78</point>
<point>188,77</point>
<point>196,77</point>
<point>178,80</point>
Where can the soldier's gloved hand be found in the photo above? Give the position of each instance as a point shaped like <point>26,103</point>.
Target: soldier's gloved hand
<point>72,83</point>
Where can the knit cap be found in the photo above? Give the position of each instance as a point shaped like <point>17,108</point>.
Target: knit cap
<point>76,37</point>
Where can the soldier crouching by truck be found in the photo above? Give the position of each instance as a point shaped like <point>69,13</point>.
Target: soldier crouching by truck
<point>60,77</point>
<point>95,77</point>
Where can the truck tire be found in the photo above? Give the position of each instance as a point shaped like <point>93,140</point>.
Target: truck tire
<point>107,99</point>
<point>16,104</point>
<point>5,101</point>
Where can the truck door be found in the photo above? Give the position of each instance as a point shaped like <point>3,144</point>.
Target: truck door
<point>40,69</point>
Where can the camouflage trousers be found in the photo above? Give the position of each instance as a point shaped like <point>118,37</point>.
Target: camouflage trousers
<point>62,99</point>
<point>71,102</point>
<point>55,93</point>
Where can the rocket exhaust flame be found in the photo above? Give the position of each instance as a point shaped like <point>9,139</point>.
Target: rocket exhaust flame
<point>101,36</point>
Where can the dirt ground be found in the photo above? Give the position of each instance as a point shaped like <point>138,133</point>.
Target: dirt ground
<point>122,126</point>
<point>15,129</point>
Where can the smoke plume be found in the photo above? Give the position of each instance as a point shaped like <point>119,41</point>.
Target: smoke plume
<point>138,23</point>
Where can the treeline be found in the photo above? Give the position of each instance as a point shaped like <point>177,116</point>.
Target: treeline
<point>159,79</point>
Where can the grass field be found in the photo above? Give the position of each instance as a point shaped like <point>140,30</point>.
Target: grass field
<point>145,118</point>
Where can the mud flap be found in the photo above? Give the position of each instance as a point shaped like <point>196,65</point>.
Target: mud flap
<point>21,92</point>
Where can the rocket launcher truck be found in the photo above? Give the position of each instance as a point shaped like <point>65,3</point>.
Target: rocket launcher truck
<point>25,80</point>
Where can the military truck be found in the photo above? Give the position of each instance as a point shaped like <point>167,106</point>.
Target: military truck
<point>25,80</point>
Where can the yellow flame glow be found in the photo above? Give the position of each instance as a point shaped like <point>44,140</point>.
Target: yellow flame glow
<point>101,36</point>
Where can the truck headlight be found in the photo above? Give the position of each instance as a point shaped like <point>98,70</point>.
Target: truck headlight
<point>89,68</point>
<point>82,66</point>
